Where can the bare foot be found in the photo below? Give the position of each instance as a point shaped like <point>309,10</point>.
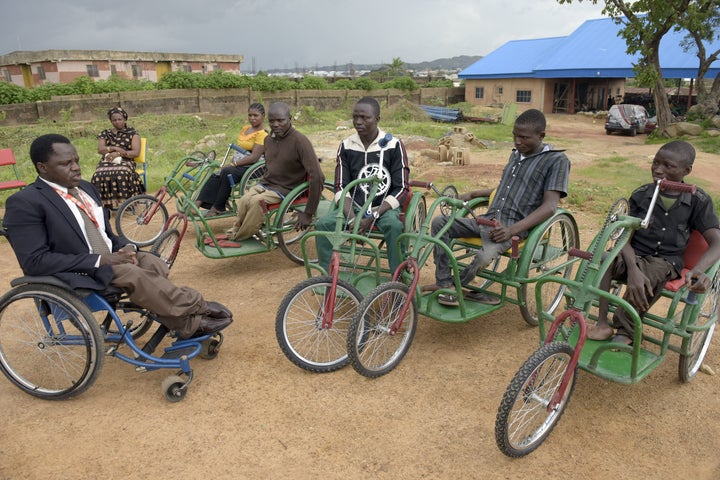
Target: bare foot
<point>430,288</point>
<point>595,332</point>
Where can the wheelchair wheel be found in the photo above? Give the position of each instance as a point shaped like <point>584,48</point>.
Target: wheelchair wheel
<point>298,324</point>
<point>141,219</point>
<point>523,420</point>
<point>166,246</point>
<point>549,253</point>
<point>51,346</point>
<point>252,176</point>
<point>618,208</point>
<point>449,191</point>
<point>289,239</point>
<point>697,345</point>
<point>373,347</point>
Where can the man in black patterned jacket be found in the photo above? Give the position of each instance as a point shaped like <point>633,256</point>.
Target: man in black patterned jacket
<point>359,157</point>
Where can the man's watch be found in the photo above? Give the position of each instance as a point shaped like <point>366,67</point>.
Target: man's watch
<point>132,245</point>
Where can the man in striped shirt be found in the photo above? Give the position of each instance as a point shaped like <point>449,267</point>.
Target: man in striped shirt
<point>532,183</point>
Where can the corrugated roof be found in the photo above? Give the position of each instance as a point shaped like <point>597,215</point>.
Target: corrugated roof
<point>593,50</point>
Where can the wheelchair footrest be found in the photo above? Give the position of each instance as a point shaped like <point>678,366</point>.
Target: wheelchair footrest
<point>179,352</point>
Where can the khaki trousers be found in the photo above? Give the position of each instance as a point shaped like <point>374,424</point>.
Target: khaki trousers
<point>147,285</point>
<point>250,215</point>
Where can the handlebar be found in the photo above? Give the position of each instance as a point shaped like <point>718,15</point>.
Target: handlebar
<point>667,185</point>
<point>487,222</point>
<point>419,184</point>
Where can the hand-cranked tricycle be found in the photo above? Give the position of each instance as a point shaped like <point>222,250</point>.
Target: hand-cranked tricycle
<point>383,327</point>
<point>681,321</point>
<point>323,323</point>
<point>141,219</point>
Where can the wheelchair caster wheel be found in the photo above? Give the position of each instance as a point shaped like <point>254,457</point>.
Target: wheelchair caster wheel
<point>210,348</point>
<point>173,387</point>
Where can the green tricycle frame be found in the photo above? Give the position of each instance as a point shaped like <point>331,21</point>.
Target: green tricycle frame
<point>142,218</point>
<point>541,389</point>
<point>324,323</point>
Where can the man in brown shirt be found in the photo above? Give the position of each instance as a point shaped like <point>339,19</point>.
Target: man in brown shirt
<point>290,160</point>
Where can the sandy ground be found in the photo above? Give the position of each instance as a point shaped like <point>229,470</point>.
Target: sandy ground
<point>251,414</point>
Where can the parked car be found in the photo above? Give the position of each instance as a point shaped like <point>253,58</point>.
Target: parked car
<point>630,119</point>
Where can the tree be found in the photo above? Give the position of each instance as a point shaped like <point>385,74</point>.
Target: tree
<point>702,21</point>
<point>645,22</point>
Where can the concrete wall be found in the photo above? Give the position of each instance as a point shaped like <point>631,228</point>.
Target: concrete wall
<point>226,102</point>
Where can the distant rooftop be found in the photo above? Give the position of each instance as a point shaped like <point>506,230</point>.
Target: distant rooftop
<point>595,49</point>
<point>27,57</point>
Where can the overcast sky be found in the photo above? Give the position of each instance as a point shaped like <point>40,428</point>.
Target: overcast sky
<point>288,33</point>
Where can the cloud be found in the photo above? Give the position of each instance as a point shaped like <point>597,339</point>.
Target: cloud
<point>289,33</point>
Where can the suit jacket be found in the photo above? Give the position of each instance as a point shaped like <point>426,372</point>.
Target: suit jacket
<point>48,240</point>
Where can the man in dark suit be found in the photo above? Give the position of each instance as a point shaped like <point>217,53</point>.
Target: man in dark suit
<point>57,227</point>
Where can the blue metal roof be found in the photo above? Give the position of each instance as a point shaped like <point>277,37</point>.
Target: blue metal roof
<point>593,50</point>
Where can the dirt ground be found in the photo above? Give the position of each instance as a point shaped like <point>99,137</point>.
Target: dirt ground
<point>252,414</point>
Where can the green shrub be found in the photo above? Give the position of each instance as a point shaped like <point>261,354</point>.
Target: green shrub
<point>313,83</point>
<point>365,83</point>
<point>401,83</point>
<point>11,93</point>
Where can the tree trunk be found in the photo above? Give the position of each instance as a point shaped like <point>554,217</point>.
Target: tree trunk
<point>662,105</point>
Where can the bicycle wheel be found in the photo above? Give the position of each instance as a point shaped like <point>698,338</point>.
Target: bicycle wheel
<point>523,420</point>
<point>298,324</point>
<point>697,345</point>
<point>141,219</point>
<point>50,343</point>
<point>289,239</point>
<point>449,191</point>
<point>374,348</point>
<point>166,246</point>
<point>419,216</point>
<point>551,251</point>
<point>252,176</point>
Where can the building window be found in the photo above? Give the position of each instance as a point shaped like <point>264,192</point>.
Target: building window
<point>500,90</point>
<point>136,71</point>
<point>186,68</point>
<point>113,70</point>
<point>92,71</point>
<point>6,75</point>
<point>41,72</point>
<point>216,68</point>
<point>523,96</point>
<point>479,92</point>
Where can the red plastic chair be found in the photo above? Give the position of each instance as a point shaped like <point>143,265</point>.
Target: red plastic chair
<point>7,158</point>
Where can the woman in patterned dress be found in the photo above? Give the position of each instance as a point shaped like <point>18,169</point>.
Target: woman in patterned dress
<point>115,176</point>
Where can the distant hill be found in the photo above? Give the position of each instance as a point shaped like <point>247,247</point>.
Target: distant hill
<point>449,64</point>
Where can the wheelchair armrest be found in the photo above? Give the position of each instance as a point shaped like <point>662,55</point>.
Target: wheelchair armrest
<point>110,291</point>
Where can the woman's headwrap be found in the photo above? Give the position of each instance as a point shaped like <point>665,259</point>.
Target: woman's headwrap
<point>117,110</point>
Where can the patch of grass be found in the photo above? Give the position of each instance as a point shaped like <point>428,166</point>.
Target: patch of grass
<point>595,187</point>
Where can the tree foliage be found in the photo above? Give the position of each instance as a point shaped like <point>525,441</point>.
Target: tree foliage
<point>702,21</point>
<point>645,22</point>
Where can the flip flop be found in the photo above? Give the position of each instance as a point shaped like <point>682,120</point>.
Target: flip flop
<point>623,339</point>
<point>481,298</point>
<point>222,241</point>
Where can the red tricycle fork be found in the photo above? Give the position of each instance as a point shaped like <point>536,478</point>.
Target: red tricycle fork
<point>410,264</point>
<point>329,312</point>
<point>576,318</point>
